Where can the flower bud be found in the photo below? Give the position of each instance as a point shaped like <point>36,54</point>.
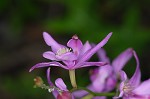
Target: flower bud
<point>64,95</point>
<point>38,81</point>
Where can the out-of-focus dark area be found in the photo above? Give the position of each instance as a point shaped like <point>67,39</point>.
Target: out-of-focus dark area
<point>21,43</point>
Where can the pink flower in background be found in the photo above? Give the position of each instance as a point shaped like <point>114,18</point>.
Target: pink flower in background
<point>74,55</point>
<point>104,78</point>
<point>132,88</point>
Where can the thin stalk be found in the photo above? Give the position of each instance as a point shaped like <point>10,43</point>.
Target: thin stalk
<point>89,96</point>
<point>93,93</point>
<point>73,78</point>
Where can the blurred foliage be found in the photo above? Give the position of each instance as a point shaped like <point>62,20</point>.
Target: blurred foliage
<point>23,21</point>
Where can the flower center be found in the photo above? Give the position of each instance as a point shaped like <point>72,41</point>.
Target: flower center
<point>127,88</point>
<point>63,51</point>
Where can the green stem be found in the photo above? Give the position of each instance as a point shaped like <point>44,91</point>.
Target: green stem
<point>93,93</point>
<point>89,96</point>
<point>73,78</point>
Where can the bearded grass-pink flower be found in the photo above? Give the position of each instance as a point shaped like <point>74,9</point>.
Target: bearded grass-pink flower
<point>133,88</point>
<point>104,79</point>
<point>73,56</point>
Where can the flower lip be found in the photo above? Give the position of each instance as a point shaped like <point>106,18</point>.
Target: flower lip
<point>63,51</point>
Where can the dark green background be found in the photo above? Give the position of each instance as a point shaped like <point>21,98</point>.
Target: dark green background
<point>21,43</point>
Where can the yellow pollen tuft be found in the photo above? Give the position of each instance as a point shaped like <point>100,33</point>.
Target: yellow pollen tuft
<point>127,88</point>
<point>63,51</point>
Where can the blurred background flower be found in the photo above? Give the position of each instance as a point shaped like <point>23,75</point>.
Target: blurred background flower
<point>22,23</point>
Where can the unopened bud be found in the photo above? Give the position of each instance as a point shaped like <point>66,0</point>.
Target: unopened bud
<point>38,81</point>
<point>64,95</point>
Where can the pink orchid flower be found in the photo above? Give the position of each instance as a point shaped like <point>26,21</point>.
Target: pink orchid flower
<point>104,78</point>
<point>133,88</point>
<point>74,55</point>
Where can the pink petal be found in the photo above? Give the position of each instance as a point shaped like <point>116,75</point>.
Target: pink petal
<point>93,74</point>
<point>60,84</point>
<point>51,42</point>
<point>48,77</point>
<point>100,70</point>
<point>136,78</point>
<point>69,64</point>
<point>111,82</point>
<point>87,64</point>
<point>102,56</point>
<point>140,97</point>
<point>85,48</point>
<point>143,88</point>
<point>75,44</point>
<point>116,97</point>
<point>69,56</point>
<point>65,95</point>
<point>123,76</point>
<point>122,59</point>
<point>88,54</point>
<point>121,88</point>
<point>99,97</point>
<point>49,55</point>
<point>47,64</point>
<point>107,70</point>
<point>101,81</point>
<point>55,92</point>
<point>121,94</point>
<point>79,93</point>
